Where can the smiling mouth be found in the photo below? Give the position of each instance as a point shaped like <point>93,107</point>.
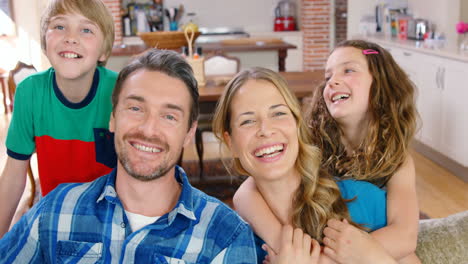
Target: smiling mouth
<point>146,148</point>
<point>70,55</point>
<point>270,151</point>
<point>339,97</point>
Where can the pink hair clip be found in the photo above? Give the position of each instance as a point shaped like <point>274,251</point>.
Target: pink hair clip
<point>369,51</point>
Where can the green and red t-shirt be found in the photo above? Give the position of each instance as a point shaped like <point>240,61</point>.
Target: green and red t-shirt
<point>72,140</point>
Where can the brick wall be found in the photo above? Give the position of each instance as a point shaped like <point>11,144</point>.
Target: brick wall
<point>315,17</point>
<point>341,10</point>
<point>114,7</point>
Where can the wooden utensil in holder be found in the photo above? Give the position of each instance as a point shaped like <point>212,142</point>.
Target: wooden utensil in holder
<point>198,63</point>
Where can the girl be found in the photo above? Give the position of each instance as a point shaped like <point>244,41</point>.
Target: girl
<point>260,120</point>
<point>362,119</point>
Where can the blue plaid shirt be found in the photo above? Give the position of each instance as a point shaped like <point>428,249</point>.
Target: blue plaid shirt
<point>86,223</point>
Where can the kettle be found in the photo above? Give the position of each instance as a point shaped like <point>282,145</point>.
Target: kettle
<point>417,28</point>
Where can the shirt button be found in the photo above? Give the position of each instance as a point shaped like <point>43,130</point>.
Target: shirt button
<point>122,225</point>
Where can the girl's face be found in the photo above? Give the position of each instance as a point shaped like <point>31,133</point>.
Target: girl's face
<point>346,93</point>
<point>263,131</point>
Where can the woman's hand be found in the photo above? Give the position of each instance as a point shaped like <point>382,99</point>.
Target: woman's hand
<point>345,243</point>
<point>296,247</point>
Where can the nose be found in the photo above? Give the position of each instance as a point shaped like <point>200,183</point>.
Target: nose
<point>150,126</point>
<point>265,129</point>
<point>71,37</point>
<point>334,81</point>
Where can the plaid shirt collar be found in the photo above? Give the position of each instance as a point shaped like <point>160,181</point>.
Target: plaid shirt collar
<point>184,206</point>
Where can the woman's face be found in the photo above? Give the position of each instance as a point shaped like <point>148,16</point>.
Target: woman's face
<point>263,131</point>
<point>349,81</point>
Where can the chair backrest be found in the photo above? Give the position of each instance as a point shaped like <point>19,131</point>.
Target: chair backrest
<point>221,64</point>
<point>19,73</point>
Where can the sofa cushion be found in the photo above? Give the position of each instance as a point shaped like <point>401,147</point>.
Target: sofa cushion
<point>443,240</point>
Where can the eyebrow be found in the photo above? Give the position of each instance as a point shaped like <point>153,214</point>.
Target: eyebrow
<point>251,112</point>
<point>344,63</point>
<point>167,105</point>
<point>62,17</point>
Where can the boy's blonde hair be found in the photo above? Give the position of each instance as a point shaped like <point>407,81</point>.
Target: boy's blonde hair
<point>94,10</point>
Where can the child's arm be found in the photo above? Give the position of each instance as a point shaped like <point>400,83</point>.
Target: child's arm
<point>346,242</point>
<point>12,184</point>
<point>249,203</point>
<point>399,237</point>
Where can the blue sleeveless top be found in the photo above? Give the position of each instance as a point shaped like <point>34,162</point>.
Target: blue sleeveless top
<point>368,208</point>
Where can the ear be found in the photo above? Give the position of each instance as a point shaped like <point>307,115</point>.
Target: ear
<point>112,123</point>
<point>103,57</point>
<point>228,140</point>
<point>190,133</point>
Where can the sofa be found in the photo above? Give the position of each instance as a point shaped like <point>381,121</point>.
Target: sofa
<point>444,240</point>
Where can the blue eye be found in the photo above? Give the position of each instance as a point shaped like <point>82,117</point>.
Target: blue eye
<point>134,108</point>
<point>246,122</point>
<point>279,113</point>
<point>87,30</point>
<point>170,117</point>
<point>348,70</point>
<point>59,27</point>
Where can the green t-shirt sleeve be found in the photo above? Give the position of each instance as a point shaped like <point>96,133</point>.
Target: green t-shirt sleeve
<point>20,138</point>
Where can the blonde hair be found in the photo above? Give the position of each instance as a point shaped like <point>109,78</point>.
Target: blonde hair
<point>94,10</point>
<point>391,128</point>
<point>318,197</point>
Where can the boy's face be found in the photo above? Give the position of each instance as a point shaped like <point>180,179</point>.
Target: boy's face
<point>74,45</point>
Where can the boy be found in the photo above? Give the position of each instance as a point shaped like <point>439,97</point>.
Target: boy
<point>63,113</point>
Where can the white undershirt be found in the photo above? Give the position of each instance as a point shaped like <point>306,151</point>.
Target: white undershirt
<point>138,221</point>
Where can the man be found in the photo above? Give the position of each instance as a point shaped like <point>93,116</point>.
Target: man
<point>145,210</point>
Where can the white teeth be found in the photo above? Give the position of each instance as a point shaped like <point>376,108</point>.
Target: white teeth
<point>339,97</point>
<point>146,149</point>
<point>69,55</point>
<point>270,151</point>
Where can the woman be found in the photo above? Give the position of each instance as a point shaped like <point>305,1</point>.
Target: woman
<point>260,120</point>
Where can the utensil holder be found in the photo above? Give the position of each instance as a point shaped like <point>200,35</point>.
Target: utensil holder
<point>198,67</point>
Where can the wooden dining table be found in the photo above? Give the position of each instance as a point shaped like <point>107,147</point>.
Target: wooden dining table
<point>300,83</point>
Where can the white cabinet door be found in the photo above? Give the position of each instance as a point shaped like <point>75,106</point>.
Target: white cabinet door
<point>429,100</point>
<point>454,111</point>
<point>410,62</point>
<point>294,60</point>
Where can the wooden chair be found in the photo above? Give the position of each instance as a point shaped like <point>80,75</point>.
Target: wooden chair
<point>215,64</point>
<point>221,64</point>
<point>16,75</point>
<point>21,71</point>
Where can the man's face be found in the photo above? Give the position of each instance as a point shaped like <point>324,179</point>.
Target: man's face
<point>151,124</point>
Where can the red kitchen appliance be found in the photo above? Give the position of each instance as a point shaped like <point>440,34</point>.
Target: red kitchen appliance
<point>285,16</point>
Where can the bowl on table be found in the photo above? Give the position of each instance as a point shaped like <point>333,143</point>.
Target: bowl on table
<point>166,39</point>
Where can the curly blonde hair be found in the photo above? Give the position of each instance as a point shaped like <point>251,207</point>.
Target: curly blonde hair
<point>318,197</point>
<point>391,128</point>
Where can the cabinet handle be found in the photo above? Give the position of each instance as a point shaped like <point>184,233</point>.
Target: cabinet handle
<point>442,78</point>
<point>438,78</point>
<point>407,53</point>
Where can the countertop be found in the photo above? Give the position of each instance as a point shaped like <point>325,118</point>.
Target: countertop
<point>449,51</point>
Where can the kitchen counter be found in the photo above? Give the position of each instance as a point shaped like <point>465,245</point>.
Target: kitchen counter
<point>449,50</point>
<point>219,47</point>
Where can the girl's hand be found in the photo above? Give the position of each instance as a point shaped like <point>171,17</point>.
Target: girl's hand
<point>345,243</point>
<point>296,247</point>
